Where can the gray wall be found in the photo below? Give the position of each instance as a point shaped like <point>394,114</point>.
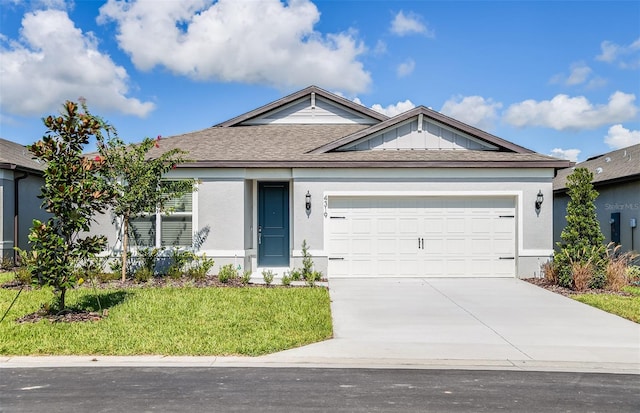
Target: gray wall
<point>623,198</point>
<point>29,209</point>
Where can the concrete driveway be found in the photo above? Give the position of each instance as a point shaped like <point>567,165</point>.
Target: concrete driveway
<point>471,322</point>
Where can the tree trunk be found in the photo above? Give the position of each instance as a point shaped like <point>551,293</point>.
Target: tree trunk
<point>62,299</point>
<point>125,246</point>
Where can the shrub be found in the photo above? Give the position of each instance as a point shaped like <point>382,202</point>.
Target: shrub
<point>313,277</point>
<point>550,272</point>
<point>582,236</point>
<point>105,276</point>
<point>296,274</point>
<point>617,268</point>
<point>227,272</point>
<point>179,259</point>
<point>582,273</point>
<point>148,258</point>
<point>267,276</point>
<point>143,274</point>
<point>633,274</point>
<point>23,275</point>
<point>307,261</point>
<point>6,263</point>
<point>246,277</point>
<point>201,268</point>
<point>286,279</point>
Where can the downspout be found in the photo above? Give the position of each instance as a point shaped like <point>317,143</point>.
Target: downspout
<point>16,220</point>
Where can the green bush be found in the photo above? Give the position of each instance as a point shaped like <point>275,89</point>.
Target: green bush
<point>143,274</point>
<point>200,268</point>
<point>296,274</point>
<point>581,238</point>
<point>227,272</point>
<point>633,274</point>
<point>179,259</point>
<point>267,276</point>
<point>286,279</point>
<point>6,263</point>
<point>314,277</point>
<point>246,277</point>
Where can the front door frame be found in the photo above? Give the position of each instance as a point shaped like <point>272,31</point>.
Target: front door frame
<point>263,232</point>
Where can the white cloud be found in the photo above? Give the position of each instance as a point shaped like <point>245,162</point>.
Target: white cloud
<point>406,68</point>
<point>403,25</point>
<point>265,42</point>
<point>393,110</point>
<point>474,110</point>
<point>621,137</point>
<point>570,154</point>
<point>627,57</point>
<point>54,61</point>
<point>579,74</point>
<point>565,112</point>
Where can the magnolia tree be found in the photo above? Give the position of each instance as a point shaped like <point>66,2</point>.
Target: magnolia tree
<point>137,179</point>
<point>74,191</point>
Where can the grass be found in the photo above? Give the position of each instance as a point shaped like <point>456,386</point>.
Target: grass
<point>170,321</point>
<point>625,306</point>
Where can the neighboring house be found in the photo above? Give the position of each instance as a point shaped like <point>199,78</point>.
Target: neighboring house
<point>616,176</point>
<point>419,194</point>
<point>20,184</point>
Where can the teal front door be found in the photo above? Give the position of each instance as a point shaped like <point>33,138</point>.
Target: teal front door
<point>273,224</point>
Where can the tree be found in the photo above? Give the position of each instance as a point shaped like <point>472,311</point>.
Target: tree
<point>582,239</point>
<point>73,192</point>
<point>137,179</point>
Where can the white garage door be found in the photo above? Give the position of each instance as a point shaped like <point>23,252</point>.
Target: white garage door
<point>421,236</point>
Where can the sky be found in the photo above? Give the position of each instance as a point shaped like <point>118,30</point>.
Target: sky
<point>560,78</point>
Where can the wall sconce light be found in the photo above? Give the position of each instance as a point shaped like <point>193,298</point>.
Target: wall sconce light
<point>307,201</point>
<point>539,200</point>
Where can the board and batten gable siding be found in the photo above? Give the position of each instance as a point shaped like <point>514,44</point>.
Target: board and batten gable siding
<point>408,136</point>
<point>311,111</point>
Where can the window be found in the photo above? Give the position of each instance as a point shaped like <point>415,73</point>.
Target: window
<point>175,226</point>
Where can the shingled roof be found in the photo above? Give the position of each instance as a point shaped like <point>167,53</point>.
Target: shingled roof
<point>15,156</point>
<point>617,166</point>
<point>240,142</point>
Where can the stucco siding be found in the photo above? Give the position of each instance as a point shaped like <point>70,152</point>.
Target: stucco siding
<point>6,218</point>
<point>623,198</point>
<point>221,206</point>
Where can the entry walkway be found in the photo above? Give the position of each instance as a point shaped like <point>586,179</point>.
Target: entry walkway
<point>467,321</point>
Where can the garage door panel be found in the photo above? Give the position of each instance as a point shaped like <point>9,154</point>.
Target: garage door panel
<point>422,236</point>
<point>456,225</point>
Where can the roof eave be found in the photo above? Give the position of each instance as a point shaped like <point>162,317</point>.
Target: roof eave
<point>372,164</point>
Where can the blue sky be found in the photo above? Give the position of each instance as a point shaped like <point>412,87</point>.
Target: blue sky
<point>561,78</point>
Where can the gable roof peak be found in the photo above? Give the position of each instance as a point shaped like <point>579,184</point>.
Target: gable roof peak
<point>308,91</point>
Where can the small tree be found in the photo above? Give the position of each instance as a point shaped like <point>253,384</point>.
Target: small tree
<point>73,193</point>
<point>581,238</point>
<point>137,180</point>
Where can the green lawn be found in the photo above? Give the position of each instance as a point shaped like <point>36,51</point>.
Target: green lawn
<point>624,306</point>
<point>171,321</point>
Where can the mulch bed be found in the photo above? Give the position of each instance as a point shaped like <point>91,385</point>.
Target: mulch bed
<point>568,292</point>
<point>67,316</point>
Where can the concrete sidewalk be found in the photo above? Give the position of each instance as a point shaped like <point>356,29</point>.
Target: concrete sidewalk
<point>505,324</point>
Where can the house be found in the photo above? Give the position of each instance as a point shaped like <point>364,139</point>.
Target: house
<point>20,183</point>
<point>616,176</point>
<point>418,194</point>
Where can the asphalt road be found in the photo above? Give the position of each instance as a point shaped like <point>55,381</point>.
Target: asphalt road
<point>106,389</point>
